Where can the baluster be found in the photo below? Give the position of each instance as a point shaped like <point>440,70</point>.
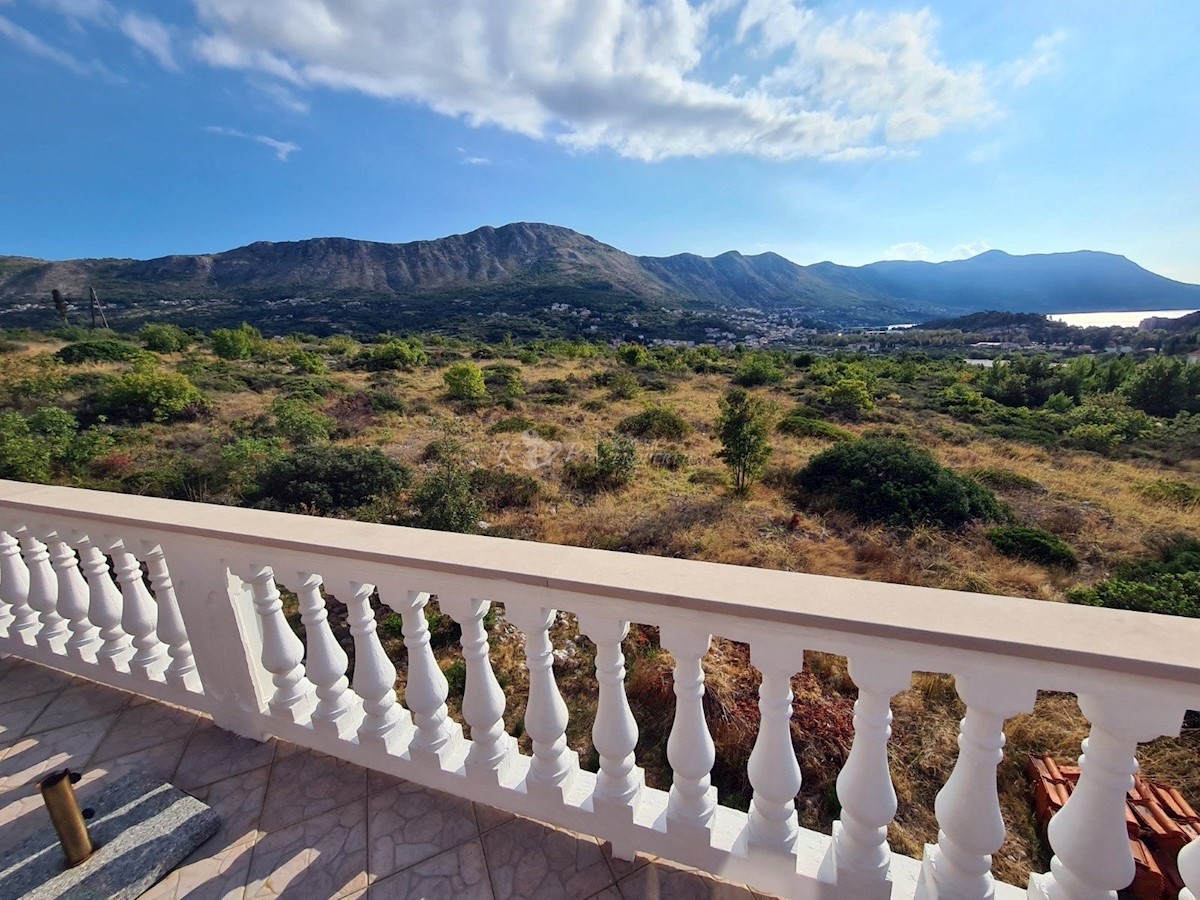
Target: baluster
<point>614,733</point>
<point>483,700</point>
<point>1092,859</point>
<point>1189,869</point>
<point>14,588</point>
<point>43,593</point>
<point>182,668</point>
<point>327,661</point>
<point>692,803</point>
<point>554,766</point>
<point>385,722</point>
<point>73,599</point>
<point>970,824</point>
<point>104,607</point>
<point>859,857</point>
<point>774,773</point>
<point>282,651</point>
<point>437,737</point>
<point>139,618</point>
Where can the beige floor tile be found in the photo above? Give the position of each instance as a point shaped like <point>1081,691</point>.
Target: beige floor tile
<point>457,874</point>
<point>33,755</point>
<point>17,715</point>
<point>20,679</point>
<point>533,861</point>
<point>156,762</point>
<point>213,754</point>
<point>489,817</point>
<point>410,823</point>
<point>80,701</point>
<point>207,875</point>
<point>662,882</point>
<point>307,784</point>
<point>325,857</point>
<point>144,725</point>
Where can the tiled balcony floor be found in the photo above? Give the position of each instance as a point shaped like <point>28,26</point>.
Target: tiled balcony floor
<point>294,823</point>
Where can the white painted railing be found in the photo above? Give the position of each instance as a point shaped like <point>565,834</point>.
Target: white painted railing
<point>180,601</point>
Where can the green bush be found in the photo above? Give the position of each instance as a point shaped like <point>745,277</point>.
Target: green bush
<point>1167,594</point>
<point>235,343</point>
<point>623,386</point>
<point>521,425</point>
<point>849,396</point>
<point>150,394</point>
<point>802,426</point>
<point>308,362</point>
<point>382,400</point>
<point>671,458</point>
<point>1004,480</point>
<point>1171,492</point>
<point>464,381</point>
<point>444,501</point>
<point>163,338</point>
<point>656,423</point>
<point>392,354</point>
<point>742,429</point>
<point>499,490</point>
<point>102,350</point>
<point>1033,545</point>
<point>613,467</point>
<point>758,369</point>
<point>299,423</point>
<point>23,456</point>
<point>503,380</point>
<point>327,480</point>
<point>886,480</point>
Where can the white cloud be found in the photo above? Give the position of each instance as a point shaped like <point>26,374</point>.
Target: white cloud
<point>622,75</point>
<point>476,161</point>
<point>283,97</point>
<point>966,251</point>
<point>34,45</point>
<point>1044,59</point>
<point>90,10</point>
<point>152,36</point>
<point>283,149</point>
<point>910,250</point>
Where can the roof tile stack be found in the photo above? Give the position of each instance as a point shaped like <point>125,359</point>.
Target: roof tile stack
<point>1159,822</point>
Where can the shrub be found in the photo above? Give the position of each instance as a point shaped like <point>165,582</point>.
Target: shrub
<point>102,350</point>
<point>1097,438</point>
<point>624,386</point>
<point>326,480</point>
<point>849,396</point>
<point>890,481</point>
<point>444,501</point>
<point>1004,480</point>
<point>802,426</point>
<point>23,457</point>
<point>382,400</point>
<point>308,362</point>
<point>613,467</point>
<point>1033,545</point>
<point>521,425</point>
<point>1171,492</point>
<point>235,343</point>
<point>464,381</point>
<point>163,338</point>
<point>299,423</point>
<point>503,380</point>
<point>758,369</point>
<point>150,394</point>
<point>1167,594</point>
<point>498,490</point>
<point>553,391</point>
<point>670,459</point>
<point>742,429</point>
<point>392,354</point>
<point>442,449</point>
<point>656,423</point>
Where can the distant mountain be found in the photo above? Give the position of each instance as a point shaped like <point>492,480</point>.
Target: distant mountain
<point>1177,325</point>
<point>517,271</point>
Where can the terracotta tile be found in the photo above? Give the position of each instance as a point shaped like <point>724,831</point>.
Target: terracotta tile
<point>307,784</point>
<point>80,701</point>
<point>325,856</point>
<point>20,679</point>
<point>144,725</point>
<point>410,823</point>
<point>536,862</point>
<point>457,874</point>
<point>662,882</point>
<point>213,754</point>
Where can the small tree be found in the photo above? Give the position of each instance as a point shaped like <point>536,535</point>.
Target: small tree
<point>465,382</point>
<point>742,428</point>
<point>235,343</point>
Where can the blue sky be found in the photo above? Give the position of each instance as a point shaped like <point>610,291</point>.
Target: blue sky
<point>850,131</point>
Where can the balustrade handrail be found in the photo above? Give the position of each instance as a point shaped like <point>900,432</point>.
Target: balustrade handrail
<point>1114,641</point>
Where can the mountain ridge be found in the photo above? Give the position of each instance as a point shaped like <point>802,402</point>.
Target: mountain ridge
<point>523,267</point>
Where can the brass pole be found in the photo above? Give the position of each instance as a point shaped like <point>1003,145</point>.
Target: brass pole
<point>58,792</point>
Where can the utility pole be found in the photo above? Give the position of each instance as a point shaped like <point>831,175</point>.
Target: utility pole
<point>96,307</point>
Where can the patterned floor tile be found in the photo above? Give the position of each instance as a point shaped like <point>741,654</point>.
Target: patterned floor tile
<point>663,882</point>
<point>489,817</point>
<point>325,857</point>
<point>307,784</point>
<point>144,725</point>
<point>17,715</point>
<point>20,679</point>
<point>533,861</point>
<point>410,823</point>
<point>213,754</point>
<point>458,874</point>
<point>80,701</point>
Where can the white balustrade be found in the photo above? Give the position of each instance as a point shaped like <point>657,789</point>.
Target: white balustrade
<point>614,734</point>
<point>554,766</point>
<point>970,824</point>
<point>436,737</point>
<point>326,661</point>
<point>774,773</point>
<point>14,587</point>
<point>483,700</point>
<point>139,616</point>
<point>73,599</point>
<point>282,651</point>
<point>1189,869</point>
<point>1092,858</point>
<point>200,636</point>
<point>104,607</point>
<point>692,802</point>
<point>385,723</point>
<point>181,670</point>
<point>43,593</point>
<point>859,857</point>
